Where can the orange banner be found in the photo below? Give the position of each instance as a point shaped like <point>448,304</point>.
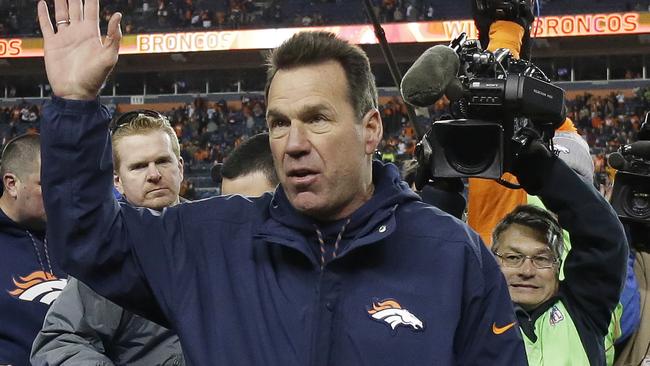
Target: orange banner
<point>426,32</point>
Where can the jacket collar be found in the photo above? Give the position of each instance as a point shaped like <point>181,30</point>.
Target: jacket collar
<point>9,226</point>
<point>370,223</point>
<point>527,319</point>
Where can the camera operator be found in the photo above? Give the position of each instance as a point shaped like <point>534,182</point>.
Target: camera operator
<point>489,202</point>
<point>487,112</point>
<point>564,322</point>
<point>630,200</point>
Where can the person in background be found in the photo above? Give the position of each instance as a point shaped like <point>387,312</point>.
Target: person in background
<point>489,201</point>
<point>248,170</point>
<point>30,279</point>
<point>563,321</point>
<point>82,327</point>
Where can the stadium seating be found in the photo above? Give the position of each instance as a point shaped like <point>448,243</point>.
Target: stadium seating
<point>19,17</point>
<point>209,131</point>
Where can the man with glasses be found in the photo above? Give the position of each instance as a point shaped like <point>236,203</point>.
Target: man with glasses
<point>83,327</point>
<point>563,322</point>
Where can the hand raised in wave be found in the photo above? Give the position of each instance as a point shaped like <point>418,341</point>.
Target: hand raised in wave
<point>77,60</point>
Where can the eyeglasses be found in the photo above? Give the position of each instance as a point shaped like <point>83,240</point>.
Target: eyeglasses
<point>129,117</point>
<point>514,260</point>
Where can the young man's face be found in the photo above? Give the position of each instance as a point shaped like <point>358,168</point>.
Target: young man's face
<point>529,286</point>
<point>149,174</point>
<point>321,150</point>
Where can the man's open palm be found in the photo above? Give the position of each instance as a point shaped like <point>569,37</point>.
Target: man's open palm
<point>77,61</point>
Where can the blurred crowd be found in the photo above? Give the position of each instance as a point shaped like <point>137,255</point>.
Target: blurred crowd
<point>607,123</point>
<point>19,17</point>
<point>208,131</point>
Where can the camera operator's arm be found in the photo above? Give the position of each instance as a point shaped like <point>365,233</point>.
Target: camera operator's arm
<point>504,24</point>
<point>595,267</point>
<point>445,197</point>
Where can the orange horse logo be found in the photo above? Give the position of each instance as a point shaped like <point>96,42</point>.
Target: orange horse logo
<point>392,314</point>
<point>39,285</point>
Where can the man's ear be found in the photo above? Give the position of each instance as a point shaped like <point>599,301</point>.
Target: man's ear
<point>373,130</point>
<point>118,183</point>
<point>10,182</point>
<point>180,166</point>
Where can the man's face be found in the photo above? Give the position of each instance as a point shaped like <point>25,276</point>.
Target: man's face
<point>149,174</point>
<point>29,199</point>
<point>253,184</point>
<point>321,150</point>
<point>529,286</point>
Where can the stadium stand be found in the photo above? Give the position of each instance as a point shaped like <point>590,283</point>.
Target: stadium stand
<point>211,125</point>
<point>18,17</point>
<point>208,131</point>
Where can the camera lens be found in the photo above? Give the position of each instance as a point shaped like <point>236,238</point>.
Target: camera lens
<point>637,203</point>
<point>465,162</point>
<point>470,150</point>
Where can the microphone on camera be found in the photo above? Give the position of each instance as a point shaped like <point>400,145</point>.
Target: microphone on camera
<point>430,76</point>
<point>640,149</point>
<point>617,161</point>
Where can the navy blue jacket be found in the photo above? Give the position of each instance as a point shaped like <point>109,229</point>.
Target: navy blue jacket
<point>29,282</point>
<point>240,279</point>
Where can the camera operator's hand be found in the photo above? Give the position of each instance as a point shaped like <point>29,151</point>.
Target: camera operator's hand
<point>491,18</point>
<point>532,159</point>
<point>77,61</point>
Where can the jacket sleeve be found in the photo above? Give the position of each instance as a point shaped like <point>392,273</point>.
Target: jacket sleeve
<point>132,256</point>
<point>71,337</point>
<point>595,268</point>
<point>488,333</point>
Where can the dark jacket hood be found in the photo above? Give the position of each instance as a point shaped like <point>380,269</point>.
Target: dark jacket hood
<point>10,227</point>
<point>390,191</point>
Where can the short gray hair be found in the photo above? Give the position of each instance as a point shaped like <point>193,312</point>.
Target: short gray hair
<point>538,219</point>
<point>20,155</point>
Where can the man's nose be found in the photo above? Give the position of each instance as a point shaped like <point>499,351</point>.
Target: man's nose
<point>153,174</point>
<point>527,269</point>
<point>297,141</point>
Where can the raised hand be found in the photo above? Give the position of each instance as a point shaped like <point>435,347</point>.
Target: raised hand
<point>77,61</point>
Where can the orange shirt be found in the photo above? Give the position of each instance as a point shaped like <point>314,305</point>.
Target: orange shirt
<point>596,122</point>
<point>489,201</point>
<point>201,155</point>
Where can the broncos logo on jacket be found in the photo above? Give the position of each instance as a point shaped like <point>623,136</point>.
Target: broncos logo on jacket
<point>38,285</point>
<point>392,314</point>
